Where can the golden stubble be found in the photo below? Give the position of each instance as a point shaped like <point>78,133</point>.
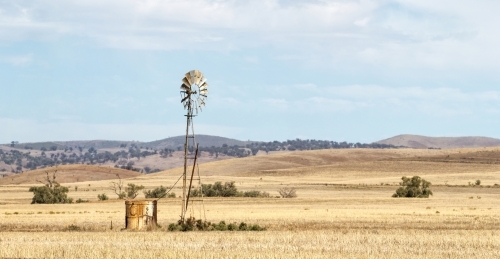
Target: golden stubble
<point>343,210</point>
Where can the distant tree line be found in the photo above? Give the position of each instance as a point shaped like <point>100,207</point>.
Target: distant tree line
<point>21,161</point>
<point>290,145</point>
<point>51,156</point>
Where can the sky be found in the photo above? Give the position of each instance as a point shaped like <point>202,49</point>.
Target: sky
<point>344,70</point>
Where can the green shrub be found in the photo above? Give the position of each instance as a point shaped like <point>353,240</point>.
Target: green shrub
<point>243,226</point>
<point>73,228</point>
<point>102,197</point>
<point>122,195</point>
<point>252,194</point>
<point>414,187</point>
<point>478,182</point>
<point>256,227</point>
<point>132,190</point>
<point>171,195</point>
<point>232,227</point>
<point>173,227</point>
<point>158,193</point>
<point>81,201</point>
<point>192,224</point>
<point>217,189</point>
<point>48,195</point>
<point>228,189</point>
<point>221,226</point>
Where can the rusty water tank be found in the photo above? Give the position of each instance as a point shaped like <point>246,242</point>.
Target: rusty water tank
<point>140,214</point>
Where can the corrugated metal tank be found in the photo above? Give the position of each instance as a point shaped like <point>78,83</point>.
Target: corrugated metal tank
<point>140,214</point>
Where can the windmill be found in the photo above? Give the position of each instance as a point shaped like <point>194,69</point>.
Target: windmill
<point>193,95</point>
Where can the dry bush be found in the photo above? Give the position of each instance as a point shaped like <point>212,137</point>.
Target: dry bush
<point>288,192</point>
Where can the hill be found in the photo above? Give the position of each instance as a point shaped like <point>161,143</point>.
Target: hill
<point>202,140</point>
<point>69,174</point>
<point>268,164</point>
<point>171,142</point>
<point>416,141</point>
<point>348,166</point>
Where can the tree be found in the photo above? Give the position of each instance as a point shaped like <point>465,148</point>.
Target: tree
<point>130,165</point>
<point>414,187</point>
<point>117,187</point>
<point>51,192</point>
<point>160,192</point>
<point>133,190</point>
<point>478,182</point>
<point>287,192</point>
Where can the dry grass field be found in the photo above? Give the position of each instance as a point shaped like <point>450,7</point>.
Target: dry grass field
<point>344,209</point>
<point>69,174</point>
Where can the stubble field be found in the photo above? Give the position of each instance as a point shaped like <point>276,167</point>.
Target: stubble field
<point>344,209</point>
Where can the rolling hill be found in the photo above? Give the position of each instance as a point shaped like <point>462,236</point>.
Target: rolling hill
<point>416,141</point>
<point>69,174</point>
<point>171,142</point>
<point>348,166</point>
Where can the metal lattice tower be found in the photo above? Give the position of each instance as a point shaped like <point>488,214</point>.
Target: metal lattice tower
<point>193,95</point>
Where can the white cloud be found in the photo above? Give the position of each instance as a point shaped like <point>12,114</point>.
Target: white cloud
<point>435,34</point>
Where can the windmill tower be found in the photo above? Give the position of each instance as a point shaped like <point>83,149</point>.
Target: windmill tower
<point>193,95</point>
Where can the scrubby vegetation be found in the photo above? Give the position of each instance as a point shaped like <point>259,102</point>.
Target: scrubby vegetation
<point>288,192</point>
<point>102,197</point>
<point>414,187</point>
<point>132,190</point>
<point>191,224</point>
<point>159,192</point>
<point>228,189</point>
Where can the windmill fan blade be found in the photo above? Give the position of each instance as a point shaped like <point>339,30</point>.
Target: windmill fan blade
<point>192,77</point>
<point>187,76</point>
<point>194,98</point>
<point>202,81</point>
<point>198,77</point>
<point>185,87</point>
<point>186,82</point>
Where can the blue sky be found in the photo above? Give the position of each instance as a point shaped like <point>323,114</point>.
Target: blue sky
<point>338,70</point>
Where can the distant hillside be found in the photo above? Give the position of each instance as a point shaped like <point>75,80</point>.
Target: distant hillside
<point>202,140</point>
<point>172,143</point>
<point>416,141</point>
<point>69,174</point>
